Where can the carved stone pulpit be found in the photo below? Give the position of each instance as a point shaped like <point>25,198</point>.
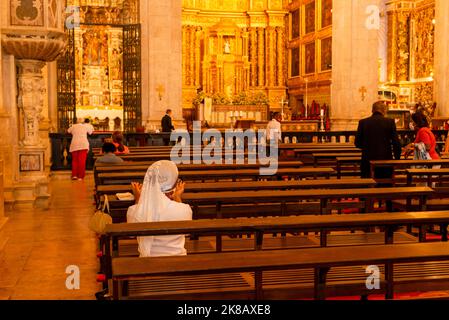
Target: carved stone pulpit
<point>34,34</point>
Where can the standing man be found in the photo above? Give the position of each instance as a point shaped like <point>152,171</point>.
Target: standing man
<point>274,135</point>
<point>274,129</point>
<point>79,147</point>
<point>377,137</point>
<point>167,126</point>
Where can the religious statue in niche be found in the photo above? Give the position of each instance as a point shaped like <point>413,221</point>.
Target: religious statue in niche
<point>326,54</point>
<point>310,17</point>
<point>310,58</point>
<point>95,49</point>
<point>227,47</point>
<point>326,13</point>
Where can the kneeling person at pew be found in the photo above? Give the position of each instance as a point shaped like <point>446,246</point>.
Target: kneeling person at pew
<point>159,199</point>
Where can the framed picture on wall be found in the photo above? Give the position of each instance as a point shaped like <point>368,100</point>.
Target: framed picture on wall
<point>295,24</point>
<point>295,64</point>
<point>30,163</point>
<point>310,13</point>
<point>310,63</point>
<point>326,13</point>
<point>326,54</point>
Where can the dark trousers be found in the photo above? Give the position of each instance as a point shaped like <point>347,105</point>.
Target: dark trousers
<point>381,174</point>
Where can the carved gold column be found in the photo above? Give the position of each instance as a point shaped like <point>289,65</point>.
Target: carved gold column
<point>197,56</point>
<point>280,57</point>
<point>270,57</point>
<point>403,46</point>
<point>261,56</point>
<point>192,54</point>
<point>253,54</point>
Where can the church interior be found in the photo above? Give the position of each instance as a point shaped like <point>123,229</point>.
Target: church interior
<point>339,218</point>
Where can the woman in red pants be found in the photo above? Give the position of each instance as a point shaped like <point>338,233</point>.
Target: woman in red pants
<point>79,148</point>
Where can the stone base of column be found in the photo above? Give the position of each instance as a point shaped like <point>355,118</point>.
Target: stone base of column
<point>31,190</point>
<point>344,124</point>
<point>27,195</point>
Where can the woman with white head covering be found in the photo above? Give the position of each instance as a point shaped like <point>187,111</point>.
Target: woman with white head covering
<point>159,199</point>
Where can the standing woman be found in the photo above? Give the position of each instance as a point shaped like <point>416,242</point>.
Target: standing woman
<point>425,139</point>
<point>79,148</point>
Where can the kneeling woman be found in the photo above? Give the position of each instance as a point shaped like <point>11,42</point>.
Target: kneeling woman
<point>159,199</point>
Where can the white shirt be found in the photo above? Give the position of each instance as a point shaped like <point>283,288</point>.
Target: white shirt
<point>79,136</point>
<point>162,246</point>
<point>274,130</point>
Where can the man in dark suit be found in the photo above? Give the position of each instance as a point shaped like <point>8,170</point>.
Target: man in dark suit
<point>377,137</point>
<point>167,126</point>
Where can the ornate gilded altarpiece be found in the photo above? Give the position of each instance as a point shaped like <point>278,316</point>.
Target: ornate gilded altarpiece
<point>411,38</point>
<point>233,50</point>
<point>101,74</point>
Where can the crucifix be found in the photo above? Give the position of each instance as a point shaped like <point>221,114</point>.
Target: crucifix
<point>363,92</point>
<point>160,90</point>
<point>283,104</point>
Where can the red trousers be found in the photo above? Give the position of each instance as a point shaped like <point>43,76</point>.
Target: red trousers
<point>79,164</point>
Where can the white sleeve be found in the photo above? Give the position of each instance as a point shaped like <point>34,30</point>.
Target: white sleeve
<point>90,129</point>
<point>131,215</point>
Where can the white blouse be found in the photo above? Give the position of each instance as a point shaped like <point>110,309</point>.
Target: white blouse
<point>79,136</point>
<point>162,246</point>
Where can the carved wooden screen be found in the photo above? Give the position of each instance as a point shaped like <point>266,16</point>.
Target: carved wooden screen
<point>66,85</point>
<point>132,92</point>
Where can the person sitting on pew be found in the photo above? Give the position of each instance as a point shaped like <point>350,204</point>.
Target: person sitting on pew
<point>109,156</point>
<point>159,199</point>
<point>117,140</point>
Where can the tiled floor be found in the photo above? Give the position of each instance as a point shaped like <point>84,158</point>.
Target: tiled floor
<point>39,245</point>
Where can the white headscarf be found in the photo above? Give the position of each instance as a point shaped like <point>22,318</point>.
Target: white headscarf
<point>160,179</point>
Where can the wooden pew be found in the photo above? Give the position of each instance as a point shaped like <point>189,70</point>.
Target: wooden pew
<point>219,205</point>
<point>343,162</point>
<point>399,167</point>
<point>302,152</point>
<point>255,185</point>
<point>436,178</point>
<point>254,174</point>
<point>293,196</point>
<point>119,207</point>
<point>322,260</point>
<point>260,226</point>
<point>317,157</point>
<point>192,167</point>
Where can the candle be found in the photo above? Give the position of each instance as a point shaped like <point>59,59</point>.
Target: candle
<point>322,113</point>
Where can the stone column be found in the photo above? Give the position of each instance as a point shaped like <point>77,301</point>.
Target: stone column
<point>184,55</point>
<point>441,69</point>
<point>161,59</point>
<point>355,63</point>
<point>2,197</point>
<point>261,56</point>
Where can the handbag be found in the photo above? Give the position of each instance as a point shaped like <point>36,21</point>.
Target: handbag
<point>101,218</point>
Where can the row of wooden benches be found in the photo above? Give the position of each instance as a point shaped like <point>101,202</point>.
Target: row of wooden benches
<point>202,274</point>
